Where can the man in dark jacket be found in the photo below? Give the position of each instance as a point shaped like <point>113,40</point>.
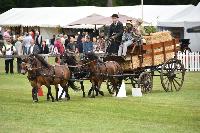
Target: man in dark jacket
<point>34,49</point>
<point>115,33</point>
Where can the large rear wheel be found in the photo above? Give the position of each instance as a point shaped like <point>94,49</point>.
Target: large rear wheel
<point>172,75</point>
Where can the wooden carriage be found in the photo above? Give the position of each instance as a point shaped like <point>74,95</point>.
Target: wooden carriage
<point>150,55</point>
<point>143,60</point>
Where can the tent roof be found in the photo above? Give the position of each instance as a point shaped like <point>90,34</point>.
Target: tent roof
<point>108,20</point>
<point>62,16</point>
<point>88,19</point>
<point>191,15</point>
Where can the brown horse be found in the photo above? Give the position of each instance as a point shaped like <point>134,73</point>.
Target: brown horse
<point>41,73</point>
<point>100,71</point>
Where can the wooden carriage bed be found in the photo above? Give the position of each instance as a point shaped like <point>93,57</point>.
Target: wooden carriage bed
<point>147,55</point>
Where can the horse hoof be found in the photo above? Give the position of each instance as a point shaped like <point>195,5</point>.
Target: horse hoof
<point>35,101</point>
<point>68,98</point>
<point>101,93</point>
<point>53,100</point>
<point>92,96</point>
<point>110,92</point>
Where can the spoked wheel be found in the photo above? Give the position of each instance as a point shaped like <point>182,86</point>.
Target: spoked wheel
<point>145,82</point>
<point>172,75</point>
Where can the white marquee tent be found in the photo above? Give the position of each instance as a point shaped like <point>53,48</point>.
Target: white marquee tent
<point>48,18</point>
<point>188,18</point>
<point>61,16</point>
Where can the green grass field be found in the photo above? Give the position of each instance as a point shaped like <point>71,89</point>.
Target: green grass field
<point>156,112</point>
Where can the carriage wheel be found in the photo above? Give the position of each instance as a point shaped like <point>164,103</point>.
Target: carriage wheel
<point>145,82</point>
<point>172,75</point>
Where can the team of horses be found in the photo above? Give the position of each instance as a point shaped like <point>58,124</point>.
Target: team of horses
<point>40,72</point>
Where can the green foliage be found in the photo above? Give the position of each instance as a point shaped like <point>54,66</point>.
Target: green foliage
<point>150,29</point>
<point>8,4</point>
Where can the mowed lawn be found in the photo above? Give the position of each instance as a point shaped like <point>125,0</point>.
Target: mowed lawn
<point>156,112</point>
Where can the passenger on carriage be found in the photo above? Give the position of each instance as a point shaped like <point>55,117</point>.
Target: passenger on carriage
<point>127,39</point>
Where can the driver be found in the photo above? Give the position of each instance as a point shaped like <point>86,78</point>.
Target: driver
<point>115,32</point>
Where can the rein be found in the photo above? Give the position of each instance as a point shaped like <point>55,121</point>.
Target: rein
<point>85,64</point>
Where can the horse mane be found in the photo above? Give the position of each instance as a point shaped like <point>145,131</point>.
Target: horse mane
<point>41,59</point>
<point>92,56</point>
<point>69,59</point>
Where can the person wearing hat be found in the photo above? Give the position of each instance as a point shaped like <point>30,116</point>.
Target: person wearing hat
<point>138,28</point>
<point>9,50</point>
<point>127,39</point>
<point>19,52</point>
<point>115,32</point>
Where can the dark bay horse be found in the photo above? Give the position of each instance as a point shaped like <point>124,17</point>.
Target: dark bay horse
<point>77,73</point>
<point>100,71</point>
<point>41,73</point>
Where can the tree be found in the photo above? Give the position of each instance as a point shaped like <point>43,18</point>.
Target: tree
<point>8,4</point>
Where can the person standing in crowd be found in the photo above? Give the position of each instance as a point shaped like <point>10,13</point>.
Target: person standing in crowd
<point>87,45</point>
<point>115,32</point>
<point>32,33</point>
<point>59,46</point>
<point>38,38</point>
<point>7,32</point>
<point>96,47</point>
<point>34,49</point>
<point>53,40</point>
<point>44,48</point>
<point>72,47</point>
<point>80,48</point>
<point>101,42</point>
<point>1,42</point>
<point>9,50</point>
<point>51,47</point>
<point>27,42</point>
<point>19,51</point>
<point>62,39</point>
<point>66,40</point>
<point>80,36</point>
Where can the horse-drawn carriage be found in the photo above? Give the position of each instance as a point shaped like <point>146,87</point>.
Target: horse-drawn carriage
<point>141,64</point>
<point>144,61</point>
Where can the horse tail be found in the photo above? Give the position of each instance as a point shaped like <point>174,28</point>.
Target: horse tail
<point>73,86</point>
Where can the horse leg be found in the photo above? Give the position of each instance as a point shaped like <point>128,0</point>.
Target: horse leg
<point>48,98</point>
<point>90,91</point>
<point>34,94</point>
<point>60,97</point>
<point>57,89</point>
<point>66,89</point>
<point>82,88</point>
<point>96,90</point>
<point>49,92</point>
<point>93,89</point>
<point>99,88</point>
<point>117,83</point>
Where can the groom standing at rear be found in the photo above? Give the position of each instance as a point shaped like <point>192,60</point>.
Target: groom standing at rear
<point>115,33</point>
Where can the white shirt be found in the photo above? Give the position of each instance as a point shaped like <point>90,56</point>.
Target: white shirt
<point>31,49</point>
